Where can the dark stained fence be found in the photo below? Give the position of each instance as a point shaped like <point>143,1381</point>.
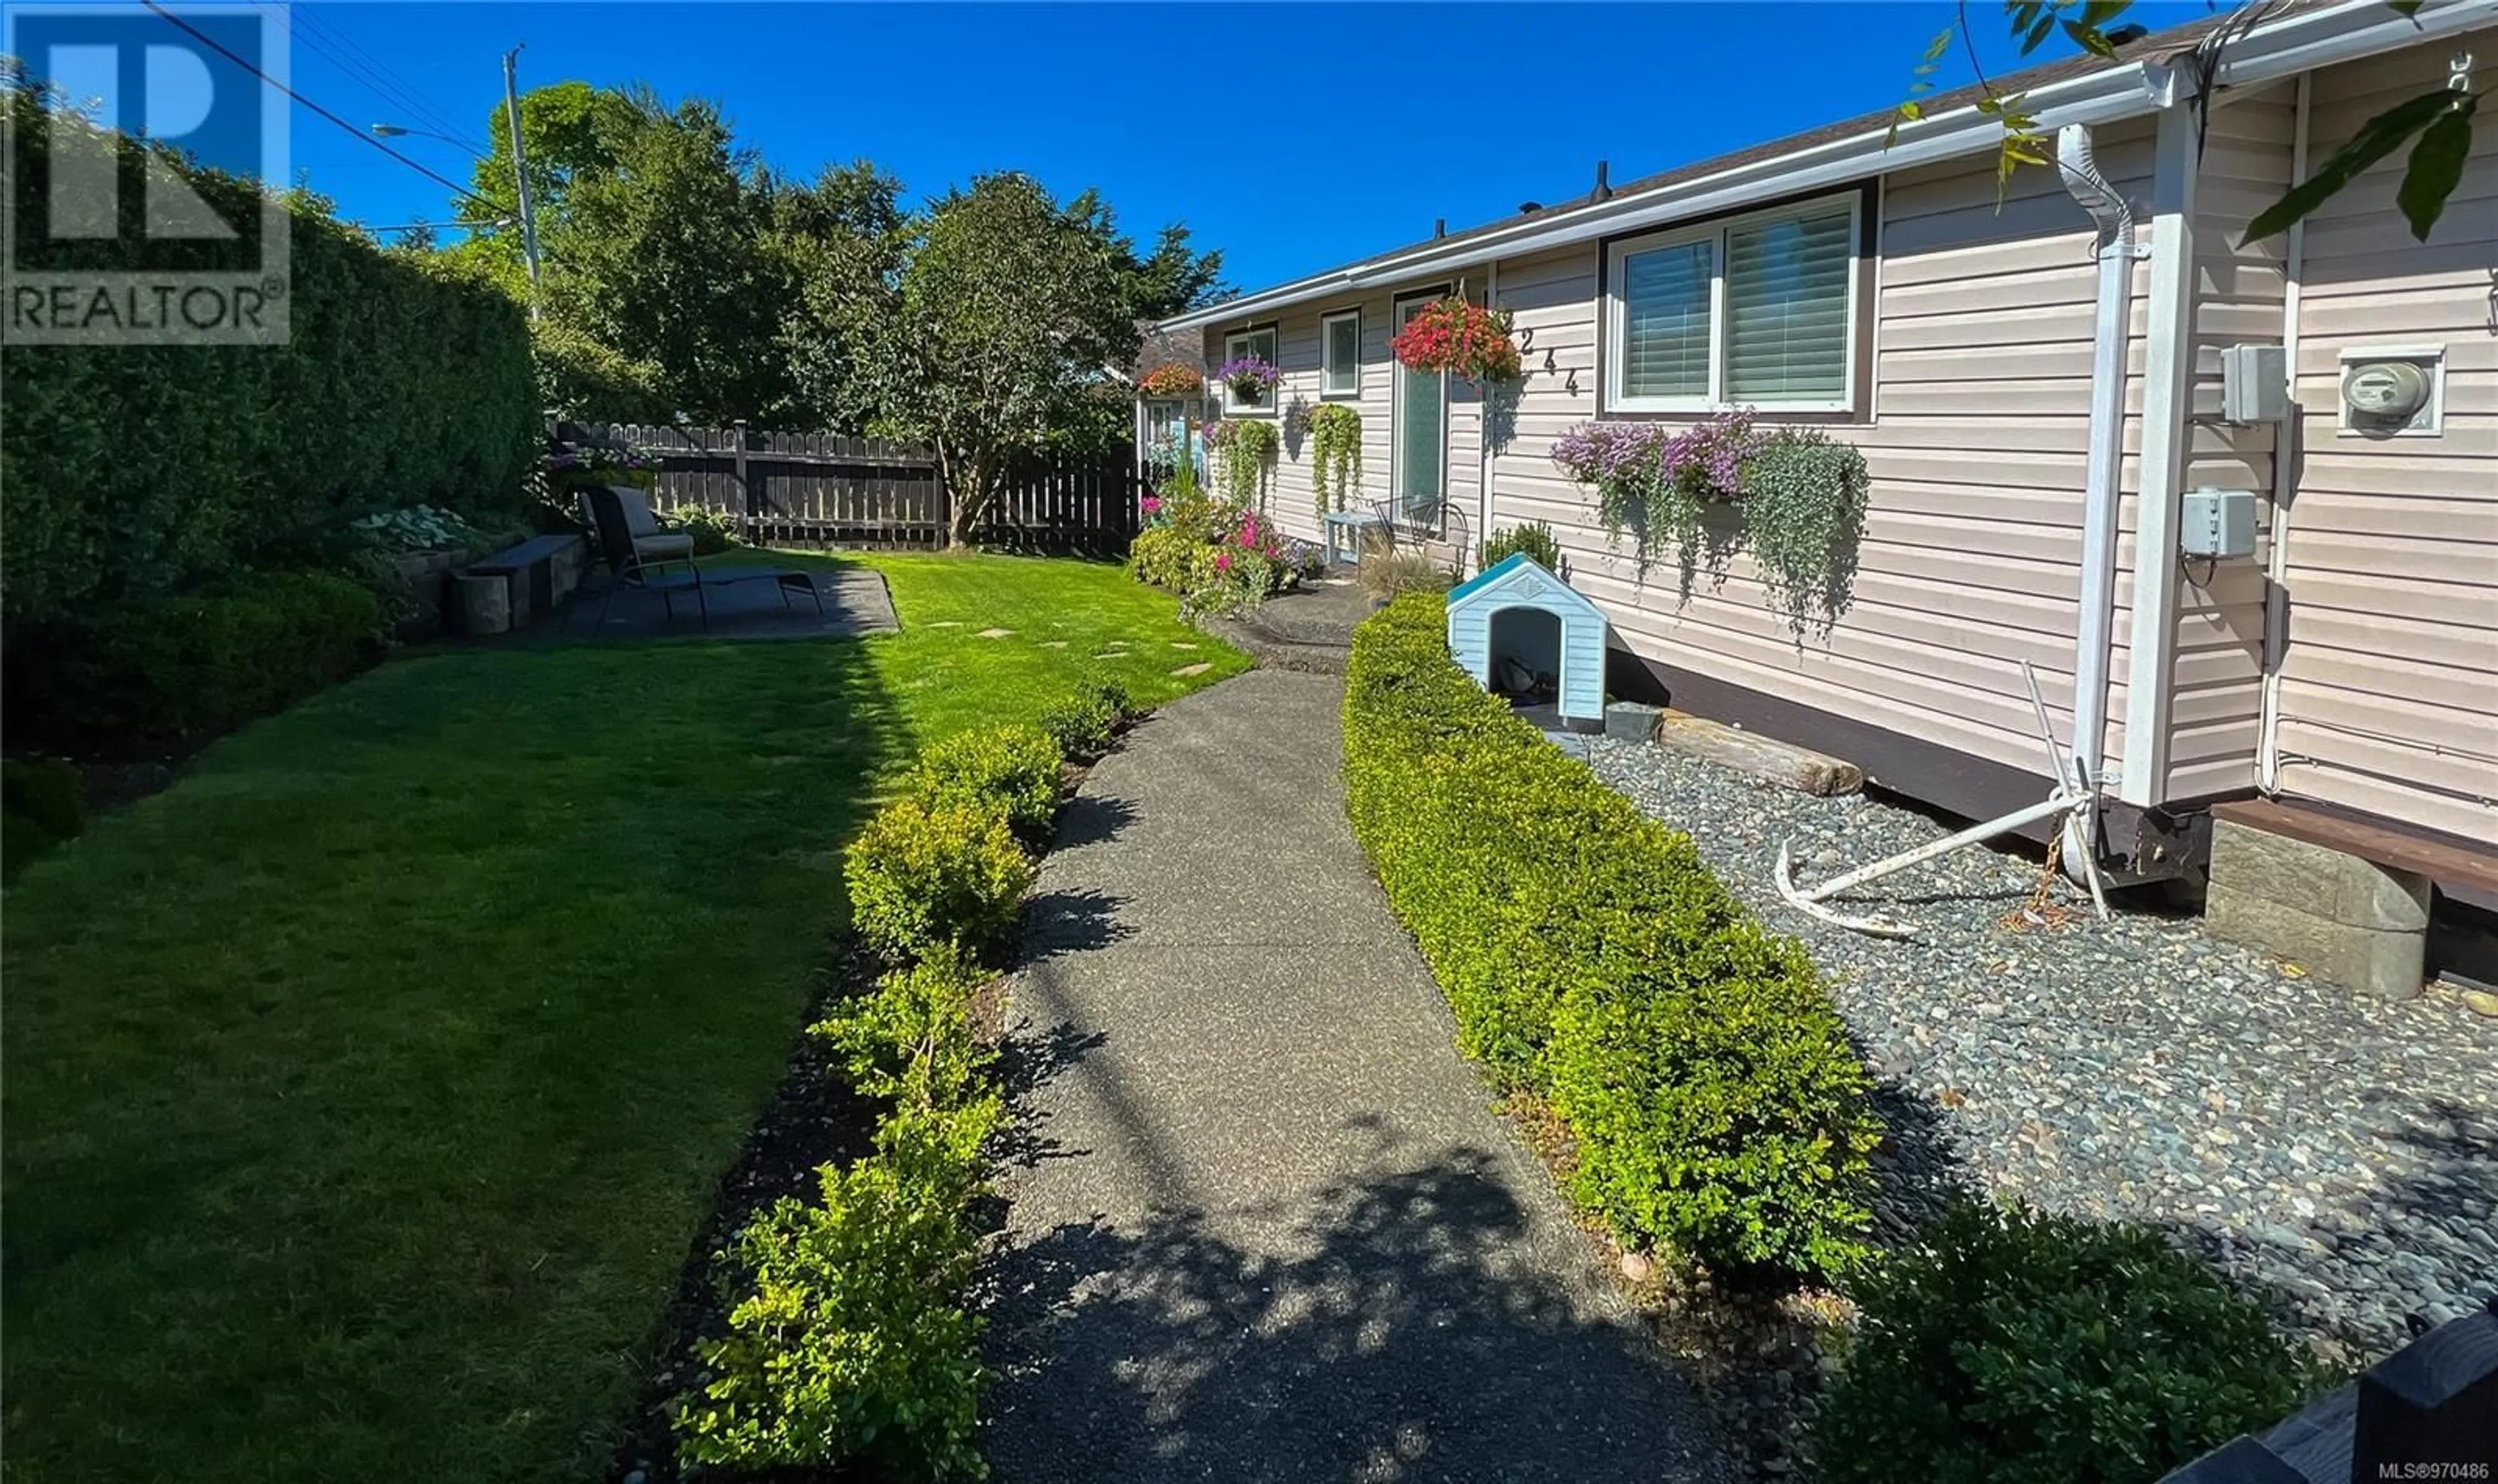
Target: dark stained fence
<point>827,489</point>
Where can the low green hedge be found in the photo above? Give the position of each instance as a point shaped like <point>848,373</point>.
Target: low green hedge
<point>42,801</point>
<point>925,878</point>
<point>2015,1345</point>
<point>130,677</point>
<point>1010,771</point>
<point>1590,957</point>
<point>1083,723</point>
<point>850,1341</point>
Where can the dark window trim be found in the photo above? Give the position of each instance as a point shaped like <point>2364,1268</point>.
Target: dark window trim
<point>1868,229</point>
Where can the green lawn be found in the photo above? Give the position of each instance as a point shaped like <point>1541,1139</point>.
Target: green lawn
<point>364,1092</point>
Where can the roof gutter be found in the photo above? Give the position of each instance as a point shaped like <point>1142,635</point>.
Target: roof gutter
<point>2278,49</point>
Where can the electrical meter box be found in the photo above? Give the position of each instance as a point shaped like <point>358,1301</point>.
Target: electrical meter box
<point>2255,384</point>
<point>2217,522</point>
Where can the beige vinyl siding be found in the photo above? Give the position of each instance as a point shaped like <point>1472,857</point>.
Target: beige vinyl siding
<point>2390,683</point>
<point>2216,720</point>
<point>1969,563</point>
<point>1292,499</point>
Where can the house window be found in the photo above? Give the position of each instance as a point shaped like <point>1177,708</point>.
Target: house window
<point>1756,311</point>
<point>1260,343</point>
<point>1340,355</point>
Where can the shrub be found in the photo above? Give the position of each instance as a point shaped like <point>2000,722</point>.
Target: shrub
<point>1010,771</point>
<point>1534,538</point>
<point>912,1038</point>
<point>176,671</point>
<point>713,530</point>
<point>850,1339</point>
<point>1587,955</point>
<point>135,472</point>
<point>2017,1345</point>
<point>1218,557</point>
<point>42,801</point>
<point>1082,724</point>
<point>925,878</point>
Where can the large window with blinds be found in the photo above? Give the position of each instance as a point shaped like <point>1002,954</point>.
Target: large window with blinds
<point>1755,311</point>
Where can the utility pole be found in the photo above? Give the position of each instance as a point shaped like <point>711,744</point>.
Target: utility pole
<point>521,171</point>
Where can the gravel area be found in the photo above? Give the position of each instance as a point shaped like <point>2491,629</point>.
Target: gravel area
<point>2336,1154</point>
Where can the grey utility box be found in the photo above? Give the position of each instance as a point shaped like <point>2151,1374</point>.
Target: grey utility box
<point>2217,522</point>
<point>2255,384</point>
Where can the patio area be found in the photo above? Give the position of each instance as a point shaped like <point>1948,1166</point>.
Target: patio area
<point>740,598</point>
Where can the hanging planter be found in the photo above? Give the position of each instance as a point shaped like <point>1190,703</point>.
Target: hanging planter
<point>1250,377</point>
<point>1335,454</point>
<point>1172,379</point>
<point>1451,335</point>
<point>1244,459</point>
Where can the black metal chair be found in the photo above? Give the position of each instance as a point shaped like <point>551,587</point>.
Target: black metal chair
<point>639,546</point>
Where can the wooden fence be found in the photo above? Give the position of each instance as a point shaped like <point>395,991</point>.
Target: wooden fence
<point>826,490</point>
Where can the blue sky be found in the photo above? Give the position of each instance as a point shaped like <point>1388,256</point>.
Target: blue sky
<point>1293,137</point>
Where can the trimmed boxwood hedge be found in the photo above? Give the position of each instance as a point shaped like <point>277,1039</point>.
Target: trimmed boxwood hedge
<point>1590,957</point>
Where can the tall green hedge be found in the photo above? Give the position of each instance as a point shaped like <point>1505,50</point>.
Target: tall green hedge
<point>1589,956</point>
<point>141,470</point>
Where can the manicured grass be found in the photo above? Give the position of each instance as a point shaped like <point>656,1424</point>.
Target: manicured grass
<point>363,1090</point>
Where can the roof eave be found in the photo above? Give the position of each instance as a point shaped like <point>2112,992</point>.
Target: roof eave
<point>2294,44</point>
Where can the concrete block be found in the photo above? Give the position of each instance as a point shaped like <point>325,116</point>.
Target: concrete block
<point>1632,721</point>
<point>485,603</point>
<point>2348,921</point>
<point>565,571</point>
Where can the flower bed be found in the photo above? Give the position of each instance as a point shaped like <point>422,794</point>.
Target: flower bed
<point>1589,957</point>
<point>1220,558</point>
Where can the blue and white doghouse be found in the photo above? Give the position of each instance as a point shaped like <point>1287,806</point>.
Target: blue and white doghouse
<point>1524,633</point>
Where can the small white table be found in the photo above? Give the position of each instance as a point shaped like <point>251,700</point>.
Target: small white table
<point>1353,523</point>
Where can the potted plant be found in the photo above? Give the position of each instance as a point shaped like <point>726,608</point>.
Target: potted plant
<point>1250,377</point>
<point>1451,335</point>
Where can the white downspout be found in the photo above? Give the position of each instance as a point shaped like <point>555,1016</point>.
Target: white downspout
<point>1482,432</point>
<point>2167,395</point>
<point>2101,497</point>
<point>2284,473</point>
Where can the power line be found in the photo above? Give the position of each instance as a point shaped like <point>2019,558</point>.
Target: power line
<point>219,48</point>
<point>393,88</point>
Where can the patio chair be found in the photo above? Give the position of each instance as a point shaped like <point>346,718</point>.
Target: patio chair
<point>639,546</point>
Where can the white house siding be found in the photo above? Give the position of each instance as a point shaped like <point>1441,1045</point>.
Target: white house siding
<point>2390,683</point>
<point>1970,558</point>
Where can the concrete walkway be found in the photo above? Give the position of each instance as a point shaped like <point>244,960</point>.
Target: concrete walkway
<point>1265,1224</point>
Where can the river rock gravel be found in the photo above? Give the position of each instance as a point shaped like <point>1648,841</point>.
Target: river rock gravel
<point>2336,1156</point>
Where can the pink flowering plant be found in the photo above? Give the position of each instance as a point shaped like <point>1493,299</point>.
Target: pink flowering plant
<point>1219,557</point>
<point>1658,480</point>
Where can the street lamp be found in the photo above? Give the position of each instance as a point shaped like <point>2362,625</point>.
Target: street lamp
<point>401,131</point>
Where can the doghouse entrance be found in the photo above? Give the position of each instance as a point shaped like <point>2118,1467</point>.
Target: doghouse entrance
<point>1526,656</point>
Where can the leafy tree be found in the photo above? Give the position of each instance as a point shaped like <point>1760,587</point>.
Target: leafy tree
<point>2436,124</point>
<point>662,256</point>
<point>995,333</point>
<point>572,131</point>
<point>840,243</point>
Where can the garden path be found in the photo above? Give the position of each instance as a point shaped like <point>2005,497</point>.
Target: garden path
<point>1264,1223</point>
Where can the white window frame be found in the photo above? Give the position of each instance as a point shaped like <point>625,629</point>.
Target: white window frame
<point>1240,342</point>
<point>1326,350</point>
<point>1616,310</point>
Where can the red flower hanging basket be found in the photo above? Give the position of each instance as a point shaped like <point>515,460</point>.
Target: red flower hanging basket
<point>1451,335</point>
<point>1172,379</point>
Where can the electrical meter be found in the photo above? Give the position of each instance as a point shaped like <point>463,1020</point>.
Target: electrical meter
<point>2385,392</point>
